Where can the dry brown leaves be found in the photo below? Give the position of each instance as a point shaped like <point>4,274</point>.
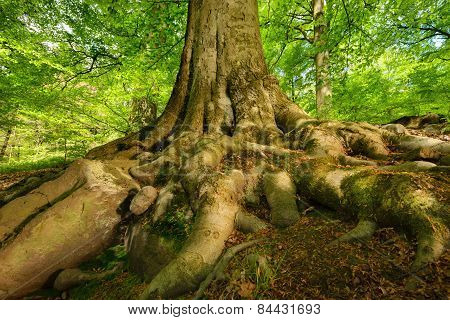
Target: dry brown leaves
<point>305,268</point>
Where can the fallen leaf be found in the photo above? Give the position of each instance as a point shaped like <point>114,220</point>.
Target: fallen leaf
<point>246,289</point>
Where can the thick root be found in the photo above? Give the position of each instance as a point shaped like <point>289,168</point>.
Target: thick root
<point>363,231</point>
<point>281,193</point>
<point>248,223</point>
<point>336,139</point>
<point>19,210</point>
<point>213,225</point>
<point>69,231</point>
<point>390,199</point>
<point>410,142</point>
<point>419,122</point>
<point>117,149</point>
<point>26,185</point>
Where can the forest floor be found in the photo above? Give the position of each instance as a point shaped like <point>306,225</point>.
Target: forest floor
<point>302,267</point>
<point>306,267</point>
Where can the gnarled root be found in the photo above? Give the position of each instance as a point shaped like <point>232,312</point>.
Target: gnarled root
<point>214,223</point>
<point>204,193</point>
<point>60,224</point>
<point>390,199</point>
<point>281,195</point>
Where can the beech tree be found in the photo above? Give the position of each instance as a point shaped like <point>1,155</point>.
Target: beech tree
<point>227,139</point>
<point>321,60</point>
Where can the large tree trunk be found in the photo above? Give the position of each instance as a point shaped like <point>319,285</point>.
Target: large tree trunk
<point>321,61</point>
<point>227,139</point>
<point>223,84</point>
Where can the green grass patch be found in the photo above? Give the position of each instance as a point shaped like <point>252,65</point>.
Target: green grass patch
<point>31,165</point>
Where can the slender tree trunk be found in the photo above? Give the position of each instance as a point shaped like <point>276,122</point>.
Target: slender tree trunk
<point>5,144</point>
<point>321,61</point>
<point>65,150</point>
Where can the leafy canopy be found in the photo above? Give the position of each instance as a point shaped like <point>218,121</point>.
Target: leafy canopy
<point>72,70</point>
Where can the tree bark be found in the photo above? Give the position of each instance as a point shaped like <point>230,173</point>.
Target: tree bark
<point>223,85</point>
<point>321,61</point>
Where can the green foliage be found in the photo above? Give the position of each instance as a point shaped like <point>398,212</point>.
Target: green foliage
<point>71,69</point>
<point>397,84</point>
<point>389,58</point>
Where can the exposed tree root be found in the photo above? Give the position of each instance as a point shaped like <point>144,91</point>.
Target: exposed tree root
<point>281,195</point>
<point>393,199</point>
<point>77,222</point>
<point>213,224</point>
<point>26,185</point>
<point>248,223</point>
<point>364,230</point>
<point>406,196</point>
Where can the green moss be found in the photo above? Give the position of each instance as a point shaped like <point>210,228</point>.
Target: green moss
<point>107,260</point>
<point>367,193</point>
<point>392,199</point>
<point>175,224</point>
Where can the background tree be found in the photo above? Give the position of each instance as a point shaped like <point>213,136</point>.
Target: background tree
<point>362,36</point>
